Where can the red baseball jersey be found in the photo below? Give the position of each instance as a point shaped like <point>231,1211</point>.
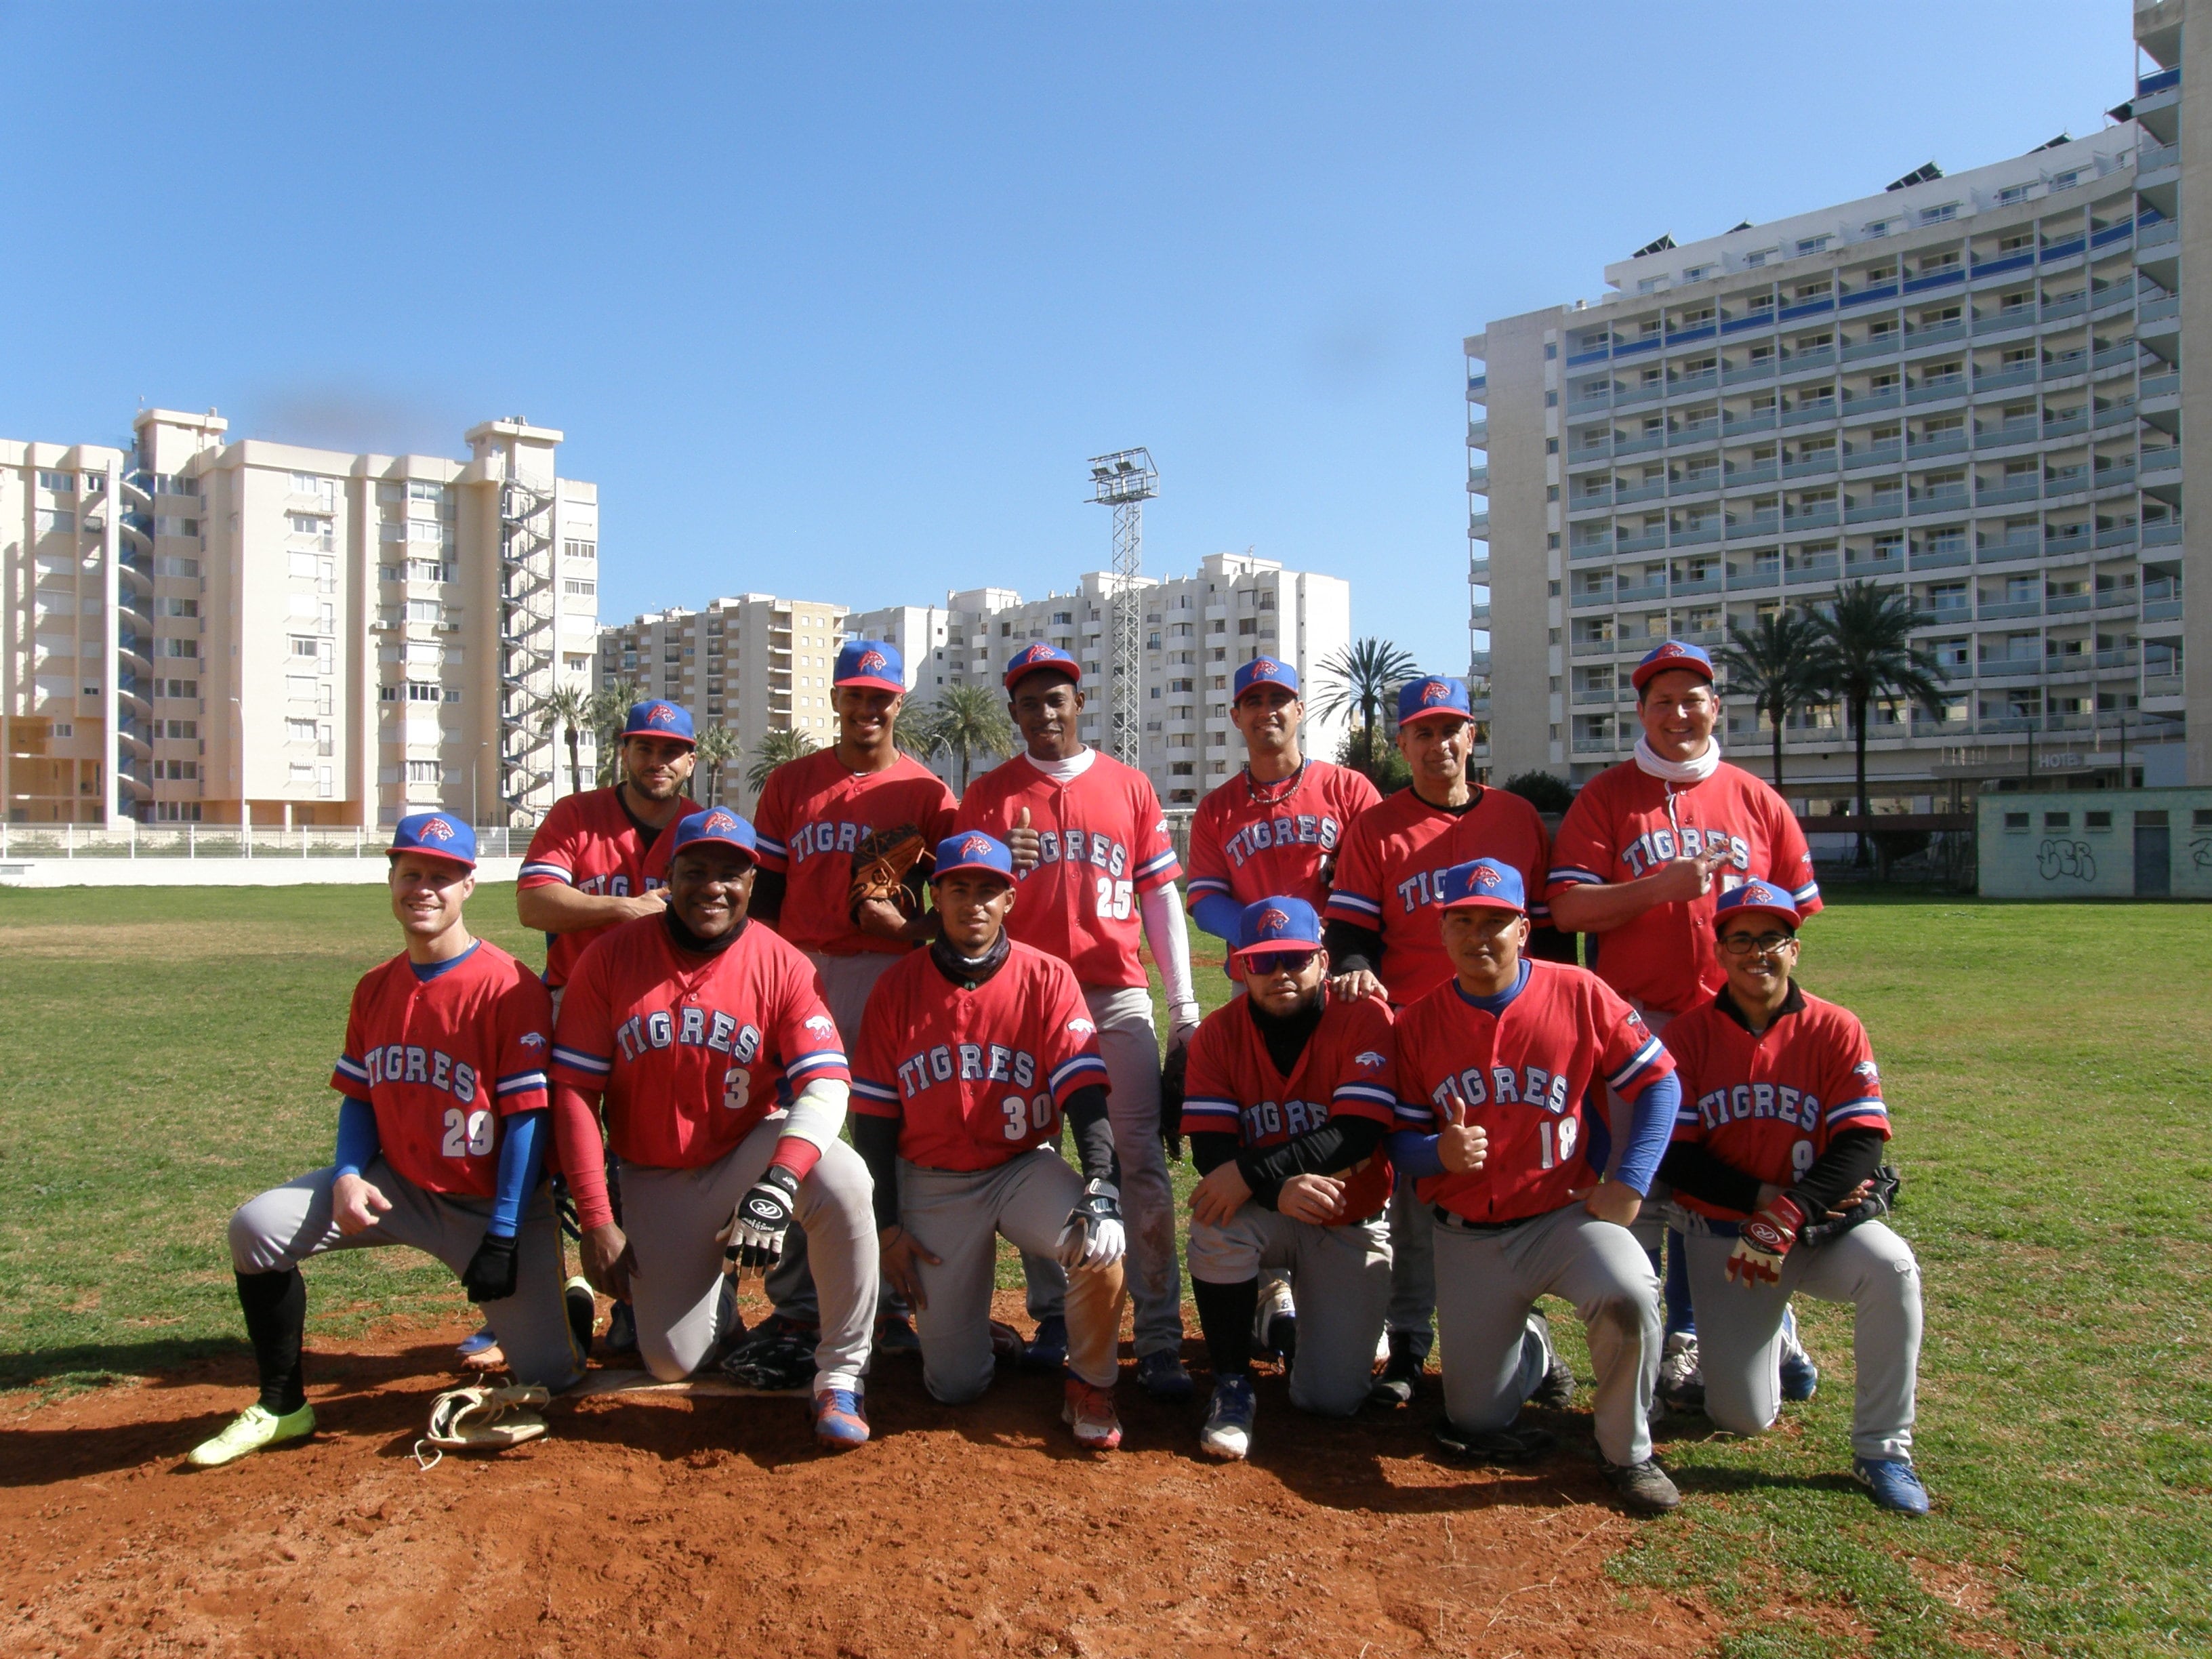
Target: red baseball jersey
<point>1525,1074</point>
<point>813,813</point>
<point>974,1076</point>
<point>443,1056</point>
<point>1247,844</point>
<point>590,842</point>
<point>1769,1104</point>
<point>1103,844</point>
<point>691,1052</point>
<point>1232,1086</point>
<point>1625,823</point>
<point>1389,877</point>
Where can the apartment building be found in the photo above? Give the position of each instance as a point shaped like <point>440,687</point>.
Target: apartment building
<point>1969,387</point>
<point>200,629</point>
<point>753,662</point>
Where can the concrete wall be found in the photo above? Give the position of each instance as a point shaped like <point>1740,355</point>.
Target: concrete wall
<point>2083,843</point>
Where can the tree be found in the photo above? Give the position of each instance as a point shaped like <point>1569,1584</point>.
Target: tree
<point>967,720</point>
<point>1358,681</point>
<point>718,748</point>
<point>1385,767</point>
<point>1868,654</point>
<point>569,710</point>
<point>610,706</point>
<point>1545,791</point>
<point>776,748</point>
<point>1780,664</point>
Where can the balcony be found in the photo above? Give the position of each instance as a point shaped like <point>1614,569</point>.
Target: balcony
<point>2027,489</point>
<point>1645,543</point>
<point>1935,390</point>
<point>1823,408</point>
<point>1939,558</point>
<point>1821,571</point>
<point>2161,610</point>
<point>1758,524</point>
<point>1876,511</point>
<point>2158,311</point>
<point>1478,481</point>
<point>1872,403</point>
<point>1757,421</point>
<point>1696,535</point>
<point>1683,384</point>
<point>1692,433</point>
<point>1598,598</point>
<point>1641,593</point>
<point>2066,428</point>
<point>1757,579</point>
<point>1891,565</point>
<point>2120,535</point>
<point>2161,532</point>
<point>1821,466</point>
<point>1943,443</point>
<point>1739,373</point>
<point>1744,477</point>
<point>1595,745</point>
<point>1683,586</point>
<point>1882,455</point>
<point>1592,647</point>
<point>2010,432</point>
<point>2168,385</point>
<point>2167,459</point>
<point>1940,501</point>
<point>1478,528</point>
<point>1882,345</point>
<point>1997,379</point>
<point>1607,697</point>
<point>1623,494</point>
<point>1994,610</point>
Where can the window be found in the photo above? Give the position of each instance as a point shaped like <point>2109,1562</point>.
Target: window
<point>180,647</point>
<point>1878,228</point>
<point>56,521</point>
<point>581,550</point>
<point>186,730</point>
<point>580,590</point>
<point>167,566</point>
<point>299,524</point>
<point>2012,193</point>
<point>299,731</point>
<point>181,689</point>
<point>306,648</point>
<point>2064,180</point>
<point>169,607</point>
<point>1759,256</point>
<point>426,771</point>
<point>425,610</point>
<point>1812,244</point>
<point>1937,215</point>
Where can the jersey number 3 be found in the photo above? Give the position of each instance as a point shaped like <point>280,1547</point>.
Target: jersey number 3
<point>468,1134</point>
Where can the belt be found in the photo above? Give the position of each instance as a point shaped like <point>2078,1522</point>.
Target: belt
<point>1460,1224</point>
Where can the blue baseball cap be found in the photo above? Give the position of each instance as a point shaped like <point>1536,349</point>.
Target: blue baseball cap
<point>436,835</point>
<point>1276,924</point>
<point>1671,655</point>
<point>872,664</point>
<point>716,827</point>
<point>1433,697</point>
<point>1037,654</point>
<point>1485,884</point>
<point>671,720</point>
<point>1264,671</point>
<point>1756,897</point>
<point>972,849</point>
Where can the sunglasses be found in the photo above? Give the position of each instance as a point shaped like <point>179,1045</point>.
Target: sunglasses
<point>1271,963</point>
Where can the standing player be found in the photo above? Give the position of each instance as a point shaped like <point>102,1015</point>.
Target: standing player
<point>973,1051</point>
<point>1782,1128</point>
<point>442,1140</point>
<point>1642,855</point>
<point>1095,866</point>
<point>1494,1068</point>
<point>696,1028</point>
<point>1384,939</point>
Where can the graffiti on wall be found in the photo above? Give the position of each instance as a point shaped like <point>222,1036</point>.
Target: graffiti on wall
<point>2058,860</point>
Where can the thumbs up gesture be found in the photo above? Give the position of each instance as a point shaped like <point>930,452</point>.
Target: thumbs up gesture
<point>1462,1145</point>
<point>1022,842</point>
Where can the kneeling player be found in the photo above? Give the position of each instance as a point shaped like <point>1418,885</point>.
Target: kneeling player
<point>1287,1102</point>
<point>1782,1128</point>
<point>970,1052</point>
<point>1495,1067</point>
<point>694,1027</point>
<point>440,1144</point>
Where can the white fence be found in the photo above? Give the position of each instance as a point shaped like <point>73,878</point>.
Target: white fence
<point>72,842</point>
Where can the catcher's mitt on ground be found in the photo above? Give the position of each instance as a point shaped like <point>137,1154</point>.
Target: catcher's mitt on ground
<point>1879,1200</point>
<point>881,865</point>
<point>481,1417</point>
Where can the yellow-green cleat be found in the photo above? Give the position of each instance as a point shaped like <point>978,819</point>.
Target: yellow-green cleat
<point>254,1429</point>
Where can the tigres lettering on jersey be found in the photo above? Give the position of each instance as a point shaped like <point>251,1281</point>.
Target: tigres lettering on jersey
<point>590,842</point>
<point>813,814</point>
<point>1247,849</point>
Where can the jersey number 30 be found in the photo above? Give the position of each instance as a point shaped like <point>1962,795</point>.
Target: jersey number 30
<point>1024,1115</point>
<point>468,1134</point>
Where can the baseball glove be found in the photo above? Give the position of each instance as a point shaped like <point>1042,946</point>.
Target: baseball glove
<point>775,1359</point>
<point>1880,1199</point>
<point>881,864</point>
<point>481,1417</point>
<point>1171,1093</point>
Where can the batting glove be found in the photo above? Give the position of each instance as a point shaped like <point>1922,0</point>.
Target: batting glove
<point>489,1276</point>
<point>1763,1241</point>
<point>754,1237</point>
<point>1093,1236</point>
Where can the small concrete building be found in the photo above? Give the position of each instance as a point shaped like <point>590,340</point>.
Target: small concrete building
<point>2100,844</point>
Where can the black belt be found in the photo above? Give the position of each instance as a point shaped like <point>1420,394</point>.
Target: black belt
<point>1460,1224</point>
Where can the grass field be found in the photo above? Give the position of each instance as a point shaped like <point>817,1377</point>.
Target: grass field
<point>164,1054</point>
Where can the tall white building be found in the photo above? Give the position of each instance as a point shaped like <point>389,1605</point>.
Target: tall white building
<point>199,630</point>
<point>1969,388</point>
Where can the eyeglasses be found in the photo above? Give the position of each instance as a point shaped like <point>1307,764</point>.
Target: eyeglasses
<point>1743,944</point>
<point>1279,961</point>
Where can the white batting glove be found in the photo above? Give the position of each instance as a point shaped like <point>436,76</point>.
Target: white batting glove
<point>1093,1236</point>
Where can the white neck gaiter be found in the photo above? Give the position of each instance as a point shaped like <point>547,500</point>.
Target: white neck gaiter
<point>1678,773</point>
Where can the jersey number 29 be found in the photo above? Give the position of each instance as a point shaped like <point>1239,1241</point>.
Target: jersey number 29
<point>468,1134</point>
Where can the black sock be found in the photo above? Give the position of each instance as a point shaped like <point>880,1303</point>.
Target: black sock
<point>276,1307</point>
<point>1224,1313</point>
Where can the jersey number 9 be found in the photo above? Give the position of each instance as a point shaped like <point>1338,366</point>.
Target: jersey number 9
<point>1024,1116</point>
<point>468,1134</point>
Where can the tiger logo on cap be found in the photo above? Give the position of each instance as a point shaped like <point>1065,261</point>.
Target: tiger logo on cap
<point>871,662</point>
<point>436,830</point>
<point>1670,649</point>
<point>719,822</point>
<point>660,714</point>
<point>1435,691</point>
<point>1272,920</point>
<point>1262,665</point>
<point>1486,877</point>
<point>976,847</point>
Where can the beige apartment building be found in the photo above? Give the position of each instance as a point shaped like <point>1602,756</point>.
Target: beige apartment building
<point>1971,388</point>
<point>213,631</point>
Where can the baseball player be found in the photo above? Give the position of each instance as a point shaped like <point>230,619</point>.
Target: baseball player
<point>724,1086</point>
<point>1779,1142</point>
<point>844,834</point>
<point>1384,939</point>
<point>1494,1070</point>
<point>1288,1099</point>
<point>973,1051</point>
<point>1643,853</point>
<point>441,1142</point>
<point>1095,866</point>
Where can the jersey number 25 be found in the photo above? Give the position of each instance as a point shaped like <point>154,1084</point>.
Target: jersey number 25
<point>1116,898</point>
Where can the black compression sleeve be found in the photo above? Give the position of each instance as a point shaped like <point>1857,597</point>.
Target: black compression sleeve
<point>1351,949</point>
<point>1692,1167</point>
<point>275,1308</point>
<point>1547,944</point>
<point>1337,1144</point>
<point>1093,1135</point>
<point>1208,1153</point>
<point>767,901</point>
<point>876,1139</point>
<point>1851,1157</point>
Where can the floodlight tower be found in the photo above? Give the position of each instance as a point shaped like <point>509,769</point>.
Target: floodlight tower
<point>1125,481</point>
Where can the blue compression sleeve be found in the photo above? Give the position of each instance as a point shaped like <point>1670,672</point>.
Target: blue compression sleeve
<point>1219,914</point>
<point>521,1160</point>
<point>1649,1132</point>
<point>1412,1153</point>
<point>358,1143</point>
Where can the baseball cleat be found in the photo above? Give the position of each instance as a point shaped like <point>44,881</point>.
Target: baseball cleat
<point>1090,1411</point>
<point>254,1429</point>
<point>1006,1344</point>
<point>583,1312</point>
<point>1800,1378</point>
<point>1506,1445</point>
<point>841,1419</point>
<point>895,1334</point>
<point>472,1346</point>
<point>1681,1385</point>
<point>1163,1376</point>
<point>1557,1390</point>
<point>1400,1372</point>
<point>1643,1488</point>
<point>1228,1432</point>
<point>1275,1320</point>
<point>1893,1483</point>
<point>1047,1349</point>
<point>621,1329</point>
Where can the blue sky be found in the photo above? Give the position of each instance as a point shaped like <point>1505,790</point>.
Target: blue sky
<point>833,301</point>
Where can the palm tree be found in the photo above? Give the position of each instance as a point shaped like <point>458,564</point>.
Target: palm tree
<point>967,720</point>
<point>718,747</point>
<point>1867,652</point>
<point>569,710</point>
<point>775,749</point>
<point>1779,666</point>
<point>914,730</point>
<point>1359,680</point>
<point>610,706</point>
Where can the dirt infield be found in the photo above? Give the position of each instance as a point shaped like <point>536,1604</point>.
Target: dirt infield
<point>655,1526</point>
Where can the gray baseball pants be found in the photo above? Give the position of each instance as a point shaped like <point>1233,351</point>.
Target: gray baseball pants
<point>1740,1333</point>
<point>1488,1278</point>
<point>285,1225</point>
<point>1340,1277</point>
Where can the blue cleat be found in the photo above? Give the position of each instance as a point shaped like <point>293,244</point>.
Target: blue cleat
<point>1164,1376</point>
<point>1228,1432</point>
<point>841,1419</point>
<point>1800,1378</point>
<point>1893,1483</point>
<point>1047,1350</point>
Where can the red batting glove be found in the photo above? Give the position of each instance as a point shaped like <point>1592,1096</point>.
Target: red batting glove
<point>1763,1241</point>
